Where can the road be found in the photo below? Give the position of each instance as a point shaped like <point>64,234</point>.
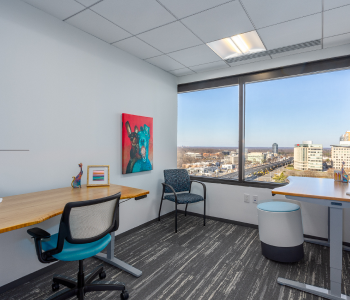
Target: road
<point>234,175</point>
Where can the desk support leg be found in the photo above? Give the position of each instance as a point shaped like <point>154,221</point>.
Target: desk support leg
<point>336,238</point>
<point>325,243</point>
<point>336,249</point>
<point>112,260</point>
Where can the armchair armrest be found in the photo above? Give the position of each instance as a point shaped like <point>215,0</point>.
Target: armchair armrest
<point>38,233</point>
<point>204,187</point>
<point>172,189</point>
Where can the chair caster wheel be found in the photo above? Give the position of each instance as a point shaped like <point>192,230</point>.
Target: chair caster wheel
<point>55,287</point>
<point>102,275</point>
<point>124,295</point>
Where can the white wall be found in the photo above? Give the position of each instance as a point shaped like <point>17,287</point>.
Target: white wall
<point>62,95</point>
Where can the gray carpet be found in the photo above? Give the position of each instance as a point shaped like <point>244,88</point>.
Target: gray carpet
<point>219,261</point>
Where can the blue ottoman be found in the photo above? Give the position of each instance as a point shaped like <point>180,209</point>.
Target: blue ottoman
<point>281,231</point>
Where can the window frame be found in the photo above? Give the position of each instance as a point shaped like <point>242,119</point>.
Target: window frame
<point>309,68</point>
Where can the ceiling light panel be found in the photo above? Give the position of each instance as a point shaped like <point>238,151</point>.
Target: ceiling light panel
<point>225,48</point>
<point>245,43</point>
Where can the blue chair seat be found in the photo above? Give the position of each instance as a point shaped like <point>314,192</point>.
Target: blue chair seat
<point>72,252</point>
<point>185,198</point>
<point>278,206</point>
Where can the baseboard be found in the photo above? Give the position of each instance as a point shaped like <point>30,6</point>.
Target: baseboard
<point>219,219</point>
<point>53,266</point>
<point>250,225</point>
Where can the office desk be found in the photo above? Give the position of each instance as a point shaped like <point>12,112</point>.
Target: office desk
<point>328,193</point>
<point>29,209</point>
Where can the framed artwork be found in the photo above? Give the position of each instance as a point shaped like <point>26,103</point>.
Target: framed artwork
<point>97,175</point>
<point>137,144</point>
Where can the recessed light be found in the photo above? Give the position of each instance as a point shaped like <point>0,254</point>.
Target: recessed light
<point>237,45</point>
<point>225,48</point>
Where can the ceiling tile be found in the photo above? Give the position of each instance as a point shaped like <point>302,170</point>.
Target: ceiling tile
<point>210,66</point>
<point>329,4</point>
<point>137,47</point>
<point>292,32</point>
<point>87,2</point>
<point>182,72</point>
<point>171,37</point>
<point>249,61</point>
<point>337,40</point>
<point>135,16</point>
<point>195,56</point>
<point>185,8</point>
<point>165,62</point>
<point>287,53</point>
<point>60,9</point>
<point>98,26</point>
<point>219,22</point>
<point>336,21</point>
<point>268,12</point>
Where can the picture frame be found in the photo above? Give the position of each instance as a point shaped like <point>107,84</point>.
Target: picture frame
<point>98,175</point>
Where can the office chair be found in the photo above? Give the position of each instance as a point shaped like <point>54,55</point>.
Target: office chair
<point>176,181</point>
<point>83,232</point>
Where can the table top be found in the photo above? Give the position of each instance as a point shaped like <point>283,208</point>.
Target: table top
<point>28,209</point>
<point>319,188</point>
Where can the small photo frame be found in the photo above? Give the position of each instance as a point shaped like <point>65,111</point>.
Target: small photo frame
<point>97,175</point>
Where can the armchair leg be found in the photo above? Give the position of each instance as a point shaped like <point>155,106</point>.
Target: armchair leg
<point>175,217</point>
<point>186,209</point>
<point>160,208</point>
<point>204,214</point>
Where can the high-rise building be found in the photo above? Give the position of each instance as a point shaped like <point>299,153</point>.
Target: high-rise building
<point>341,153</point>
<point>345,137</point>
<point>308,156</point>
<point>274,148</point>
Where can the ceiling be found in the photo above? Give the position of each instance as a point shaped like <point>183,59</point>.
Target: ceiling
<point>172,34</point>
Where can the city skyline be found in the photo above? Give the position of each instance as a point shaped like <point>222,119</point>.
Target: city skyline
<point>203,122</point>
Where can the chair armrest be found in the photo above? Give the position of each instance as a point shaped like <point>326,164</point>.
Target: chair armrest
<point>204,187</point>
<point>172,189</point>
<point>38,233</point>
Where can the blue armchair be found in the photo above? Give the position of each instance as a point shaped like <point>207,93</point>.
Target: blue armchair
<point>177,182</point>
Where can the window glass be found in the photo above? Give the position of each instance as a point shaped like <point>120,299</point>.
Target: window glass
<point>297,126</point>
<point>208,133</point>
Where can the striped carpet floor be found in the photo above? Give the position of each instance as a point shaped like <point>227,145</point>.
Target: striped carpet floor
<point>218,261</point>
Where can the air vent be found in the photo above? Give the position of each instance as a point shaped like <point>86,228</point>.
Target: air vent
<point>274,51</point>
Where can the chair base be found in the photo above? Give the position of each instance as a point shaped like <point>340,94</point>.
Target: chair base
<point>85,284</point>
<point>283,254</point>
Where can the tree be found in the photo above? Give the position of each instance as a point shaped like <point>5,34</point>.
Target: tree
<point>280,178</point>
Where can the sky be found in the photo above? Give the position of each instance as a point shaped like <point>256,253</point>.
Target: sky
<point>284,111</point>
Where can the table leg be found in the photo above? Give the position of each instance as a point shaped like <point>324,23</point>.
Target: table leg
<point>325,243</point>
<point>336,240</point>
<point>112,260</point>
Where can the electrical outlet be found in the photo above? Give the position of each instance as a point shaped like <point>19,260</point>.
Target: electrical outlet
<point>246,198</point>
<point>255,199</point>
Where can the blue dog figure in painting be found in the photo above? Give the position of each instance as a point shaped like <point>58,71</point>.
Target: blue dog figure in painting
<point>143,164</point>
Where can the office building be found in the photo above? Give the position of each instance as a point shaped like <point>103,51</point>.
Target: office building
<point>256,157</point>
<point>274,148</point>
<point>95,98</point>
<point>308,156</point>
<point>341,153</point>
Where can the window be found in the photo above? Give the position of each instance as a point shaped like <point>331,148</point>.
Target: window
<point>208,133</point>
<point>303,115</point>
<point>290,121</point>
